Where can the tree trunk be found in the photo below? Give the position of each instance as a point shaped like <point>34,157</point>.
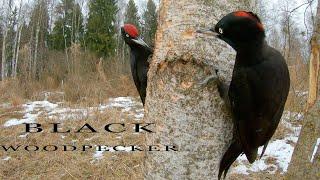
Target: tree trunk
<point>30,69</point>
<point>190,116</point>
<point>314,63</point>
<point>303,165</point>
<point>3,60</point>
<point>35,55</point>
<point>66,48</point>
<point>16,43</point>
<point>17,53</point>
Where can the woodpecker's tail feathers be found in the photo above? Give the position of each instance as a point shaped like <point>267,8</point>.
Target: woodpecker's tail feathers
<point>264,149</point>
<point>229,157</point>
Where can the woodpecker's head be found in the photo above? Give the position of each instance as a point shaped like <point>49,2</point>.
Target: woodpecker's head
<point>238,28</point>
<point>130,35</point>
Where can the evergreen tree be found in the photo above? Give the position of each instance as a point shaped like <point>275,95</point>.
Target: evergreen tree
<point>12,22</point>
<point>150,20</point>
<point>101,27</point>
<point>68,28</point>
<point>131,15</point>
<point>38,43</point>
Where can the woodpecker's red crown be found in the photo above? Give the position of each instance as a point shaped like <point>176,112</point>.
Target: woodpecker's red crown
<point>131,30</point>
<point>249,15</point>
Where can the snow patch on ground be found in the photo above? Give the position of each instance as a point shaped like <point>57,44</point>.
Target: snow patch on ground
<point>6,158</point>
<point>98,155</point>
<point>24,135</point>
<point>33,110</point>
<point>315,150</point>
<point>278,153</point>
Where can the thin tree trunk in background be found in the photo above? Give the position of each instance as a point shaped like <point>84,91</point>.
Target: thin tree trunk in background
<point>66,48</point>
<point>30,52</point>
<point>16,44</point>
<point>17,55</point>
<point>4,41</point>
<point>3,60</point>
<point>303,165</point>
<point>14,51</point>
<point>35,55</point>
<point>189,116</point>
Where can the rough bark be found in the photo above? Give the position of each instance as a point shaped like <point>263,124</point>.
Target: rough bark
<point>187,115</point>
<point>301,166</point>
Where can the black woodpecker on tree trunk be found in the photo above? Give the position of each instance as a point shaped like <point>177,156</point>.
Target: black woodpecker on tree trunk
<point>258,89</point>
<point>139,56</point>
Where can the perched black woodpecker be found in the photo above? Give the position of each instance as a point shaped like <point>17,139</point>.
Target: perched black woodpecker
<point>258,89</point>
<point>140,53</point>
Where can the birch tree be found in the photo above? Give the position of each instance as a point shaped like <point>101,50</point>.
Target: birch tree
<point>5,29</point>
<point>39,23</point>
<point>188,115</point>
<point>16,46</point>
<point>305,163</point>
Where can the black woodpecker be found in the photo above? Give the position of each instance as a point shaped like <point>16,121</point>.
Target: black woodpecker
<point>258,89</point>
<point>140,53</point>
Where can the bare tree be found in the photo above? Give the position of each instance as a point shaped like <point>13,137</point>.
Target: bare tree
<point>38,39</point>
<point>8,9</point>
<point>304,163</point>
<point>187,115</point>
<point>16,46</point>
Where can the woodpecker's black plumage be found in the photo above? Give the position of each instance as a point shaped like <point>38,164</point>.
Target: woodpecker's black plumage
<point>258,89</point>
<point>139,56</point>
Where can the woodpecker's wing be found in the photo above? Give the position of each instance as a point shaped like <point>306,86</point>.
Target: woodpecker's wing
<point>133,64</point>
<point>258,94</point>
<point>144,79</point>
<point>241,101</point>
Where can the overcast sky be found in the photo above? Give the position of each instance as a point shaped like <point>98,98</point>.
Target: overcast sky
<point>272,6</point>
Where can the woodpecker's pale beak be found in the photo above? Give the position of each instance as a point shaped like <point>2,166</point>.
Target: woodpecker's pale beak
<point>208,32</point>
<point>141,42</point>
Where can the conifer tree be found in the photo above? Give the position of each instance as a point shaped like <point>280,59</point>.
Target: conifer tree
<point>68,28</point>
<point>150,22</point>
<point>100,35</point>
<point>132,16</point>
<point>39,25</point>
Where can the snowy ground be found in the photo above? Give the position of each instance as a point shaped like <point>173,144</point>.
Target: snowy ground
<point>277,155</point>
<point>33,110</point>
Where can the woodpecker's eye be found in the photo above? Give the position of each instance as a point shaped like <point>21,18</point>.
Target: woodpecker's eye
<point>127,35</point>
<point>220,30</point>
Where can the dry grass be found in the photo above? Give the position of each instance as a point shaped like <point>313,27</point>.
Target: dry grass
<point>83,89</point>
<point>88,83</point>
<point>71,165</point>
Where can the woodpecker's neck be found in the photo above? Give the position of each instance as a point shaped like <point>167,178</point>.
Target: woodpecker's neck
<point>248,53</point>
<point>140,49</point>
<point>140,54</point>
